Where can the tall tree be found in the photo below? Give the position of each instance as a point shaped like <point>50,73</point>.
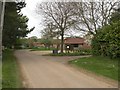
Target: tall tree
<point>58,13</point>
<point>93,15</point>
<point>107,41</point>
<point>15,24</point>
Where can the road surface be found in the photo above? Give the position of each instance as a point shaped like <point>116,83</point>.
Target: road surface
<point>51,72</point>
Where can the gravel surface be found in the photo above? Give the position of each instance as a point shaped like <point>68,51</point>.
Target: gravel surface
<point>52,72</point>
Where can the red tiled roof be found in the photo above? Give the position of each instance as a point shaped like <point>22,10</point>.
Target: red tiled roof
<point>74,41</point>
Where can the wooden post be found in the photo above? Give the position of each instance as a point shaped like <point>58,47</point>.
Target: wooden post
<point>2,6</point>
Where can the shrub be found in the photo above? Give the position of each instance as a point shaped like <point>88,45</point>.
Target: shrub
<point>86,51</point>
<point>107,41</point>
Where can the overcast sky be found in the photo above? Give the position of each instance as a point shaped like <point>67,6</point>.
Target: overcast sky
<point>34,18</point>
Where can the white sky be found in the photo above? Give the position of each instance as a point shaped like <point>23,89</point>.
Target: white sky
<point>34,18</point>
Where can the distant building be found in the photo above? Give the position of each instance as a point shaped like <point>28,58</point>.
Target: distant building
<point>55,43</point>
<point>71,43</point>
<point>75,43</point>
<point>38,44</point>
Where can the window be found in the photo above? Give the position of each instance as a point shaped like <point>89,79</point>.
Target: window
<point>75,45</point>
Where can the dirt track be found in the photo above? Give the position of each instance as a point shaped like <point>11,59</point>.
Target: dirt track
<point>52,72</point>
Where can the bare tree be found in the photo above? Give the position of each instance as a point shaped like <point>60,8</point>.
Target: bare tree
<point>93,15</point>
<point>59,14</point>
<point>50,31</point>
<point>84,16</point>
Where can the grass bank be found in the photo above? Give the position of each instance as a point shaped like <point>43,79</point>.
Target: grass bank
<point>10,71</point>
<point>99,65</point>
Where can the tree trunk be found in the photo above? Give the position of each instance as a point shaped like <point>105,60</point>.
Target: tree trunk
<point>62,40</point>
<point>58,43</point>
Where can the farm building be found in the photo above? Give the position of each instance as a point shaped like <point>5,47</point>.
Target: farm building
<point>75,43</point>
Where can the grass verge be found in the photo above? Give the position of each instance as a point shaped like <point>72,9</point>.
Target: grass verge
<point>41,49</point>
<point>10,71</point>
<point>67,54</point>
<point>99,65</point>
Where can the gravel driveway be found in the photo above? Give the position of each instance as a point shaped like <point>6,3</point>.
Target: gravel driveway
<point>51,72</point>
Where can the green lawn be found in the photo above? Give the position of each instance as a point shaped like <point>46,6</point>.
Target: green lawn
<point>99,65</point>
<point>10,71</point>
<point>41,49</point>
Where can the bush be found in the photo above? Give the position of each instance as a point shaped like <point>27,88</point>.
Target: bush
<point>86,51</point>
<point>107,41</point>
